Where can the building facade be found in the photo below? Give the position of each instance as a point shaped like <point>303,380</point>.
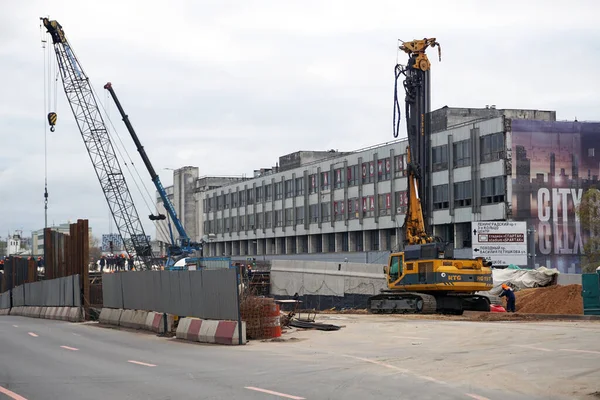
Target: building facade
<point>486,165</point>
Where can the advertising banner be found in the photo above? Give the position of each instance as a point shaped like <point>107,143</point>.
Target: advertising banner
<point>553,163</point>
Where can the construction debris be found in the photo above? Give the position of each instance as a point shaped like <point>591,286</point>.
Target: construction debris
<point>314,325</point>
<point>550,300</point>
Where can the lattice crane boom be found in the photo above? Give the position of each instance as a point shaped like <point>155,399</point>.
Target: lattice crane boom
<point>100,148</point>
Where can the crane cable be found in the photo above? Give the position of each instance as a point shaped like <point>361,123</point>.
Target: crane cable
<point>45,58</point>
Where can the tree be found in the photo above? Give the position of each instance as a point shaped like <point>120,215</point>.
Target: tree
<point>95,249</point>
<point>588,212</point>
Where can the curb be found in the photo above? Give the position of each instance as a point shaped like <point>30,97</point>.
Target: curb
<point>210,331</point>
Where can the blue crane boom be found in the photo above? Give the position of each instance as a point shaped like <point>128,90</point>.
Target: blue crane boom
<point>183,246</point>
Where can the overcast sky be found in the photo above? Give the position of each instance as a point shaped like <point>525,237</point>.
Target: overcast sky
<point>229,86</point>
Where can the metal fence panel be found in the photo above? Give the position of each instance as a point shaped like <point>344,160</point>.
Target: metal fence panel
<point>185,292</point>
<point>215,297</point>
<point>112,292</point>
<point>19,296</point>
<point>5,300</point>
<point>76,291</point>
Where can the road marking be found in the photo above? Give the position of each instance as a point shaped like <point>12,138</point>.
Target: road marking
<point>141,363</point>
<point>476,397</point>
<point>409,337</point>
<point>581,351</point>
<point>287,396</point>
<point>16,326</point>
<point>32,334</point>
<point>403,370</point>
<point>525,346</point>
<point>69,348</point>
<point>76,334</point>
<point>10,394</point>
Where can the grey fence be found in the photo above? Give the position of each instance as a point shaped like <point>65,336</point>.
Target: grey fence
<point>4,300</point>
<point>210,294</point>
<point>60,292</point>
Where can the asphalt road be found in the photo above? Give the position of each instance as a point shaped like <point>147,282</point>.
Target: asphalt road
<point>44,359</point>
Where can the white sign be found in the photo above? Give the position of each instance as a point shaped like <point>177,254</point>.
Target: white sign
<point>500,242</point>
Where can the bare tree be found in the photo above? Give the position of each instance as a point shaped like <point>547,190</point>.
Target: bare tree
<point>589,216</point>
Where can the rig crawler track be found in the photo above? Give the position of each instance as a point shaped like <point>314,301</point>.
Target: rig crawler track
<point>402,303</point>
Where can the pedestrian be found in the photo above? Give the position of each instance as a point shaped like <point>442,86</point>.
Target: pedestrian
<point>510,297</point>
<point>102,263</point>
<point>130,263</point>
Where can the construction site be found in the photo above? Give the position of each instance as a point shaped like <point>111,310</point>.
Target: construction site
<point>421,268</point>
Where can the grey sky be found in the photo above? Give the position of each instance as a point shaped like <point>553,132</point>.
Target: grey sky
<point>229,86</point>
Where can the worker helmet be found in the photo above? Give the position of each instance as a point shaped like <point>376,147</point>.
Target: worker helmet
<point>504,286</point>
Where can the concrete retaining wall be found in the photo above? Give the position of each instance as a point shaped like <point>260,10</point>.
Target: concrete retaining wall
<point>568,279</point>
<point>136,319</point>
<point>209,331</point>
<point>327,284</point>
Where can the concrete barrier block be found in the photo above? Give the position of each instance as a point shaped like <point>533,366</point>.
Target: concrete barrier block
<point>228,332</point>
<point>155,322</point>
<point>115,316</point>
<point>139,319</point>
<point>208,331</point>
<point>188,329</point>
<point>37,312</point>
<point>75,314</point>
<point>127,319</point>
<point>149,320</point>
<point>104,316</point>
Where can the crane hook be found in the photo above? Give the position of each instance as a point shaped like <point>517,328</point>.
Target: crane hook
<point>52,120</point>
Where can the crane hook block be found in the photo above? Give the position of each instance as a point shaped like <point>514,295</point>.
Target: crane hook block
<point>52,120</point>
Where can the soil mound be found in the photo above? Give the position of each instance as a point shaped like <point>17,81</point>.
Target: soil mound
<point>550,300</point>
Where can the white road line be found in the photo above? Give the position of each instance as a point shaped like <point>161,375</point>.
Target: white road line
<point>10,394</point>
<point>69,348</point>
<point>16,326</point>
<point>76,334</point>
<point>287,396</point>
<point>581,351</point>
<point>525,346</point>
<point>32,334</point>
<point>410,337</point>
<point>403,370</point>
<point>476,397</point>
<point>141,363</point>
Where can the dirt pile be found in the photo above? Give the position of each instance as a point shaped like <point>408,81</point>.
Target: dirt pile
<point>550,300</point>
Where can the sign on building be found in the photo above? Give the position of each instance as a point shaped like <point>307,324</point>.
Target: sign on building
<point>501,242</point>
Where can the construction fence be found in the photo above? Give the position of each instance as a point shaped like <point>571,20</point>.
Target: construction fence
<point>67,254</point>
<point>60,292</point>
<point>17,271</point>
<point>4,300</point>
<point>208,294</point>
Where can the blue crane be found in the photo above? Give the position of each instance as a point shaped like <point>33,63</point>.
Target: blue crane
<point>183,246</point>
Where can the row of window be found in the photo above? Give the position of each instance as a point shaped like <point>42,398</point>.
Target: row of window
<point>367,172</point>
<point>326,212</point>
<point>492,191</point>
<point>492,149</point>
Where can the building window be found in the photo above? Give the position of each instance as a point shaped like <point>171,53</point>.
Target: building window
<point>385,204</point>
<point>384,169</point>
<point>220,202</point>
<point>352,175</point>
<point>278,190</point>
<point>299,215</point>
<point>492,147</point>
<point>278,218</point>
<point>400,165</point>
<point>462,153</point>
<point>234,200</point>
<point>289,188</point>
<point>337,178</point>
<point>439,157</point>
<point>242,222</point>
<point>268,192</point>
<point>259,194</point>
<point>227,224</point>
<point>314,213</point>
<point>289,216</point>
<point>492,190</point>
<point>268,215</point>
<point>234,224</point>
<point>325,180</point>
<point>462,194</point>
<point>440,197</point>
<point>325,211</point>
<point>368,204</point>
<point>251,222</point>
<point>227,200</point>
<point>259,220</point>
<point>368,172</point>
<point>338,210</point>
<point>312,183</point>
<point>242,196</point>
<point>591,152</point>
<point>250,196</point>
<point>299,186</point>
